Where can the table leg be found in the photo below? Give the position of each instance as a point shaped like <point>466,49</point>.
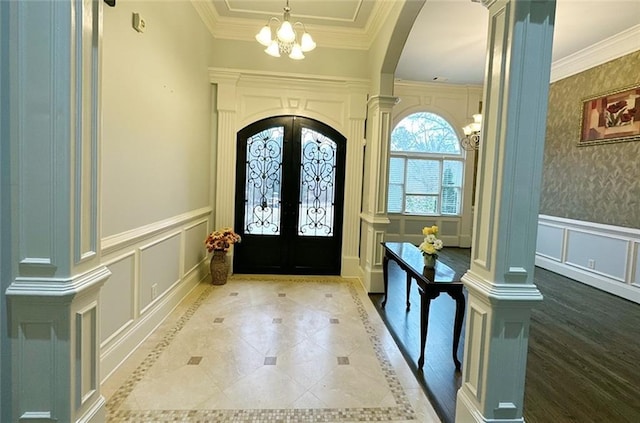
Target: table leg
<point>425,302</point>
<point>408,290</point>
<point>457,327</point>
<point>385,276</point>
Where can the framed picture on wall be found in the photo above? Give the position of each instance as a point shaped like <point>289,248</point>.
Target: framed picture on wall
<point>611,117</point>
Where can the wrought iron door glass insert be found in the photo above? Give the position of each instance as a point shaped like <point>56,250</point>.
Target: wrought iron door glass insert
<point>317,184</point>
<point>263,183</point>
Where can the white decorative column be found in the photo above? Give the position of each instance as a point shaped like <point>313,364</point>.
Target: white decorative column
<point>225,153</point>
<point>500,280</point>
<point>225,149</point>
<point>53,127</point>
<point>353,180</point>
<point>373,218</point>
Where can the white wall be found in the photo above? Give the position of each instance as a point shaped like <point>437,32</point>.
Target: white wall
<point>156,113</point>
<point>155,167</point>
<point>456,104</point>
<point>603,256</point>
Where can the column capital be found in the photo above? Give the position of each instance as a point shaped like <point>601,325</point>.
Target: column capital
<point>486,3</point>
<point>382,101</point>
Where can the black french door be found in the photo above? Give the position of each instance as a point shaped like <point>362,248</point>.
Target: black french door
<point>289,197</point>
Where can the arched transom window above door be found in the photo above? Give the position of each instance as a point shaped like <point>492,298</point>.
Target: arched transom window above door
<point>426,167</point>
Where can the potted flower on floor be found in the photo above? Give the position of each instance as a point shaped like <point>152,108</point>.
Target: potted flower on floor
<point>218,242</point>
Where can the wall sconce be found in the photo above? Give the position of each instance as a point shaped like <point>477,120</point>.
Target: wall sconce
<point>471,140</point>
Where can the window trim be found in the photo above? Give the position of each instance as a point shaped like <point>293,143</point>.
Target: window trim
<point>441,158</point>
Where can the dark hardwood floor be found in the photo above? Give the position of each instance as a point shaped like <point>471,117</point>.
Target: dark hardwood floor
<point>584,349</point>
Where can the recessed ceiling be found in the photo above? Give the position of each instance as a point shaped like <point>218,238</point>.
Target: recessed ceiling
<point>349,13</point>
<point>448,40</point>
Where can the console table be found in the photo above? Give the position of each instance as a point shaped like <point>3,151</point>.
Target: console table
<point>431,282</point>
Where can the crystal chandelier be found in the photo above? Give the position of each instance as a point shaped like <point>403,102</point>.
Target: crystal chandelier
<point>286,39</point>
<point>471,140</point>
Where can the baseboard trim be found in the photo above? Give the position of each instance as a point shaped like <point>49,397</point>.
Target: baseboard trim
<point>96,414</point>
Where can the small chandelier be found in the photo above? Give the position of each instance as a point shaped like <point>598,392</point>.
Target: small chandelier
<point>471,140</point>
<point>286,39</point>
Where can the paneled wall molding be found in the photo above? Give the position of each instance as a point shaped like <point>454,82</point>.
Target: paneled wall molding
<point>58,287</point>
<point>226,156</point>
<point>373,217</point>
<point>124,239</point>
<point>611,48</point>
<point>118,347</point>
<point>244,97</point>
<point>159,240</point>
<point>379,116</point>
<point>156,272</point>
<point>355,152</point>
<point>590,226</point>
<point>54,337</point>
<point>604,256</point>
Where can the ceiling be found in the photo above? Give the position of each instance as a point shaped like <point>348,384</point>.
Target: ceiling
<point>448,40</point>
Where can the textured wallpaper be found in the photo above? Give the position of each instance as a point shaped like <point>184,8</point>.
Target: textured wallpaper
<point>596,183</point>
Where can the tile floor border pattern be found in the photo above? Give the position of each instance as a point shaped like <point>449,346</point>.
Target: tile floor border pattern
<point>401,412</point>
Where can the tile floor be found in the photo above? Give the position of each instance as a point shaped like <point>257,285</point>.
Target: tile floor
<point>269,349</point>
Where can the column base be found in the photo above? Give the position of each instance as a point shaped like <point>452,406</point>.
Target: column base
<point>467,412</point>
<point>373,280</point>
<point>96,414</point>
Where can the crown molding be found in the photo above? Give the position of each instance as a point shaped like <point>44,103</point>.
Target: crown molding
<point>207,13</point>
<point>325,36</point>
<point>604,51</point>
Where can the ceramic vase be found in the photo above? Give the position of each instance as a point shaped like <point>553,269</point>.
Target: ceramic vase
<point>218,267</point>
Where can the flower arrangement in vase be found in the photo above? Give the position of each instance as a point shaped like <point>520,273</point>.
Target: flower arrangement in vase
<point>218,242</point>
<point>221,240</point>
<point>430,246</point>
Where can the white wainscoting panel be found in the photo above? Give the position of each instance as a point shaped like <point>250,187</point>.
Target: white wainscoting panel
<point>86,363</point>
<point>117,297</point>
<point>598,252</point>
<point>195,250</point>
<point>37,340</point>
<point>603,256</point>
<point>408,228</point>
<point>159,269</point>
<point>474,364</point>
<point>635,270</point>
<point>169,254</point>
<point>550,241</point>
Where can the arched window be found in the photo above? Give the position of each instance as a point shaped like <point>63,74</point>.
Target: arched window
<point>425,167</point>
